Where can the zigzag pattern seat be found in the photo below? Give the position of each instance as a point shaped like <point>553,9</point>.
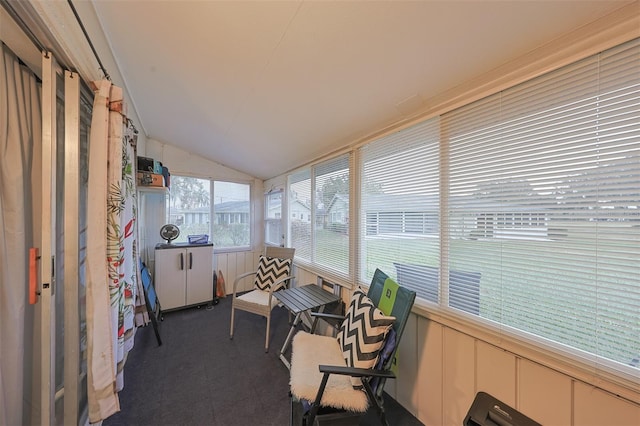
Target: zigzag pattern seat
<point>273,274</point>
<point>345,375</point>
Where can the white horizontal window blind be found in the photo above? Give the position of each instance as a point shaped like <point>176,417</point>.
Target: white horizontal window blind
<point>300,203</point>
<point>399,208</point>
<point>544,207</point>
<point>319,215</point>
<point>332,215</point>
<point>273,234</point>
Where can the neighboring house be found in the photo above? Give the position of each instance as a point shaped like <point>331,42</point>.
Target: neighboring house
<point>231,212</point>
<point>492,218</point>
<point>300,211</point>
<point>418,215</point>
<point>274,211</point>
<point>225,213</point>
<point>190,216</point>
<point>338,210</point>
<point>401,214</point>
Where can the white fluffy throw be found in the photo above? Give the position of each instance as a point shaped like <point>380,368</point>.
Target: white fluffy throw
<point>311,350</point>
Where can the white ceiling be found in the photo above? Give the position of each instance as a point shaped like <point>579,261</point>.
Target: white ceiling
<point>266,86</point>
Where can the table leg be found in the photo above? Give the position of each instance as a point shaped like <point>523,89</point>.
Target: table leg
<point>314,323</point>
<point>287,341</point>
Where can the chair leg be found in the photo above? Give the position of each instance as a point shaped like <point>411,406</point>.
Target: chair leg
<point>316,404</point>
<point>231,329</point>
<point>266,342</point>
<point>378,402</point>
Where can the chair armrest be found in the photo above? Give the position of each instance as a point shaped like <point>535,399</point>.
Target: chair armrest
<point>323,315</point>
<point>332,320</point>
<point>239,277</point>
<point>355,372</point>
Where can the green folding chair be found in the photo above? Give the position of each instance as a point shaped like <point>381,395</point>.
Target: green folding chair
<point>328,380</point>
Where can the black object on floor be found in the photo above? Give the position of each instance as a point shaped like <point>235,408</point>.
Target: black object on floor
<point>486,410</point>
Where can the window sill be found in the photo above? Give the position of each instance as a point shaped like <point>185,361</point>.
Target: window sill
<point>223,250</point>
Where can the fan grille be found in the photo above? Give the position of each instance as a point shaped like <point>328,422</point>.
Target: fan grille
<point>169,232</point>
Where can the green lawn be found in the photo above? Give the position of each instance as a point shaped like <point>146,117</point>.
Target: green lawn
<point>523,286</point>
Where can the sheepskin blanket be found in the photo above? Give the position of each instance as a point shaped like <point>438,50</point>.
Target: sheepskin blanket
<point>311,350</point>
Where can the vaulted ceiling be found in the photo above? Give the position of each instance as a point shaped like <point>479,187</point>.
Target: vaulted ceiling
<point>266,86</point>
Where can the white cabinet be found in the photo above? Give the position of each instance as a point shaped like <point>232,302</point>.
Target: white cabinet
<point>152,214</point>
<point>183,274</point>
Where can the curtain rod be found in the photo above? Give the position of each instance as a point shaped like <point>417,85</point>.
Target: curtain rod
<point>86,35</point>
<point>34,39</point>
<point>95,53</point>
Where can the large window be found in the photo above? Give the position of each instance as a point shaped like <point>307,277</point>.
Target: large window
<point>399,207</point>
<point>190,206</point>
<point>520,211</point>
<point>191,209</point>
<point>544,205</point>
<point>540,188</point>
<point>232,215</point>
<point>319,215</point>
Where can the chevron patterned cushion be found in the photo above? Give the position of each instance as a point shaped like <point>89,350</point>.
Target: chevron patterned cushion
<point>270,270</point>
<point>362,333</point>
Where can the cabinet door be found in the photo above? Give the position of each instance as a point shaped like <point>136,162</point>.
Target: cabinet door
<point>199,266</point>
<point>170,277</point>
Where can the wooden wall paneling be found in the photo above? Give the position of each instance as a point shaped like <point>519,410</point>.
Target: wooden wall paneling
<point>496,372</point>
<point>221,262</point>
<point>459,376</point>
<point>406,383</point>
<point>595,407</point>
<point>429,352</point>
<point>233,264</point>
<point>249,262</point>
<point>304,277</point>
<point>229,271</point>
<point>252,261</point>
<point>301,276</point>
<point>241,262</point>
<point>232,272</point>
<point>221,265</point>
<point>543,394</point>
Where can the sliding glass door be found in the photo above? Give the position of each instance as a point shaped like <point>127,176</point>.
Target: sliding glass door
<point>65,119</point>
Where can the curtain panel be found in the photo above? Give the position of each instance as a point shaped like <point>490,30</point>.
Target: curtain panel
<point>20,130</point>
<point>113,287</point>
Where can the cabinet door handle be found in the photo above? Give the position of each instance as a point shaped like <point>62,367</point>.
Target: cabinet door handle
<point>190,260</point>
<point>181,261</point>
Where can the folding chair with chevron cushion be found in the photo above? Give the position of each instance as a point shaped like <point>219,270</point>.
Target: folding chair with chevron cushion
<point>333,377</point>
<point>273,274</point>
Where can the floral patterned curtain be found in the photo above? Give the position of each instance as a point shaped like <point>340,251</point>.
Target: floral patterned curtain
<point>113,286</point>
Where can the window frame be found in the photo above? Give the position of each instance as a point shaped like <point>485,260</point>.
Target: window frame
<point>212,212</point>
<point>312,173</point>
